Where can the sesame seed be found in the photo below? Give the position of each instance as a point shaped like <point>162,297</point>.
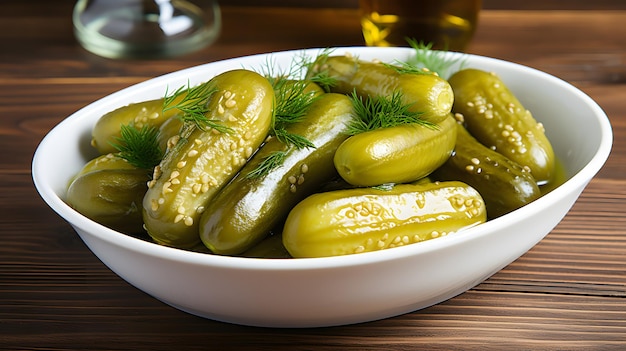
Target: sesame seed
<point>188,221</point>
<point>196,188</point>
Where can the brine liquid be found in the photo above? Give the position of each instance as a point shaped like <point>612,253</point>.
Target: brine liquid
<point>447,24</point>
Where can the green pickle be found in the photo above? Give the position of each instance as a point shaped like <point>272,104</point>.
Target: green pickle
<point>108,128</point>
<point>503,184</point>
<point>204,160</point>
<point>427,93</point>
<point>109,190</point>
<point>248,208</point>
<point>496,118</point>
<point>399,154</point>
<point>359,220</point>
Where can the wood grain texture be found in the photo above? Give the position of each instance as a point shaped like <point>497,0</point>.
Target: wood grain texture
<point>566,293</point>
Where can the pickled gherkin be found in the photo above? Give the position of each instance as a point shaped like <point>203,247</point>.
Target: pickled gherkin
<point>399,154</point>
<point>503,184</point>
<point>146,113</point>
<point>205,159</point>
<point>359,220</point>
<point>427,93</point>
<point>496,118</point>
<point>109,190</point>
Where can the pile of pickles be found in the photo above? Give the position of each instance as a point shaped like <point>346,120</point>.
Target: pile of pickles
<point>462,150</point>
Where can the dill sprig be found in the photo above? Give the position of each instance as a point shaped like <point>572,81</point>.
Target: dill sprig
<point>428,61</point>
<point>140,147</point>
<point>292,104</point>
<point>193,103</point>
<point>315,71</point>
<point>383,112</point>
<point>271,161</point>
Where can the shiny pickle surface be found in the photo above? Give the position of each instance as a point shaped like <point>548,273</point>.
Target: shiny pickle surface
<point>248,208</point>
<point>503,184</point>
<point>496,118</point>
<point>169,133</point>
<point>428,94</point>
<point>398,154</point>
<point>109,190</point>
<point>204,159</point>
<point>139,114</point>
<point>359,220</point>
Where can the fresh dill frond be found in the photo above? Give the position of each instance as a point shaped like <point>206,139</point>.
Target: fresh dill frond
<point>270,162</point>
<point>292,100</point>
<point>193,103</point>
<point>298,141</point>
<point>383,112</point>
<point>427,60</point>
<point>140,147</point>
<point>316,72</point>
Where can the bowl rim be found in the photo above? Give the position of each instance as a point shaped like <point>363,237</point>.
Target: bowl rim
<point>577,181</point>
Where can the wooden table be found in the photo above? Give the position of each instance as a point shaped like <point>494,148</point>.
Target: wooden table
<point>568,292</point>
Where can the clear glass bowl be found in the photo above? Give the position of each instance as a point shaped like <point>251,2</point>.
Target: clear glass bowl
<point>146,28</point>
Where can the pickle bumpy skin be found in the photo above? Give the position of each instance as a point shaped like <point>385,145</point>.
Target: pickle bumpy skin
<point>496,118</point>
<point>204,160</point>
<point>352,221</point>
<point>503,184</point>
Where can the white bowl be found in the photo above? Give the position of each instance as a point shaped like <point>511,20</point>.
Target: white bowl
<point>334,290</point>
